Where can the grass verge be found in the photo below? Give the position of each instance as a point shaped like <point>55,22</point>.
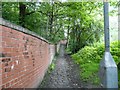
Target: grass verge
<point>89,59</point>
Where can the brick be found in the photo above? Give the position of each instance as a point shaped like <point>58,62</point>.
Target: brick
<point>8,85</point>
<point>6,39</point>
<point>6,29</point>
<point>29,58</point>
<point>7,49</point>
<point>3,44</point>
<point>3,86</point>
<point>0,33</point>
<point>0,87</point>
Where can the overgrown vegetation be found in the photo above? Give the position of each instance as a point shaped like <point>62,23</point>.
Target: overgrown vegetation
<point>89,59</point>
<point>81,22</point>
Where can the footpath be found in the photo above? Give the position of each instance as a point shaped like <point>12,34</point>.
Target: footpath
<point>66,74</point>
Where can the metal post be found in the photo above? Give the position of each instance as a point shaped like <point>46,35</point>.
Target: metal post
<point>108,67</point>
<point>106,27</point>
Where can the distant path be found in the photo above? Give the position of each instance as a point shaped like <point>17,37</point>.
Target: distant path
<point>65,75</point>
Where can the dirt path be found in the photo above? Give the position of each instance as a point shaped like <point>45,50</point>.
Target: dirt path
<point>65,75</point>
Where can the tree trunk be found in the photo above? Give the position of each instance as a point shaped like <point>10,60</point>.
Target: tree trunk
<point>22,13</point>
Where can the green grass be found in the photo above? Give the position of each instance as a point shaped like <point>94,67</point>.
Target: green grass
<point>88,72</point>
<point>89,59</point>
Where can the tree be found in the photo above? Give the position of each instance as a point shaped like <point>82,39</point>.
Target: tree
<point>81,22</point>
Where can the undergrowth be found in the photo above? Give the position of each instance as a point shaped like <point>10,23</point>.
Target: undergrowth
<point>51,67</point>
<point>89,59</point>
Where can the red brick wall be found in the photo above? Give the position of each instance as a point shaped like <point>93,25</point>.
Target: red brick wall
<point>52,52</point>
<point>24,59</point>
<point>0,58</point>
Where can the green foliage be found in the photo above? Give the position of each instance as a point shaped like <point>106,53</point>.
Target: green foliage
<point>87,55</point>
<point>41,18</point>
<point>85,26</point>
<point>86,73</point>
<point>10,12</point>
<point>119,77</point>
<point>51,68</point>
<point>52,20</point>
<point>81,21</point>
<point>89,58</point>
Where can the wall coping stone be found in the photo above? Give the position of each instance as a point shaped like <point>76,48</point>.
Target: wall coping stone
<point>6,23</point>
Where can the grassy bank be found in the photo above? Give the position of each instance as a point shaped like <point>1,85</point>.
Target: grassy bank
<point>89,58</point>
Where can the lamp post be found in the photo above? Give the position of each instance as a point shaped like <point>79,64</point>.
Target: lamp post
<point>108,67</point>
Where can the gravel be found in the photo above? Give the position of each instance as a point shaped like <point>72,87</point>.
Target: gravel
<point>65,75</point>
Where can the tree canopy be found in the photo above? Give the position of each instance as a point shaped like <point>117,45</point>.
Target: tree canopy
<point>81,23</point>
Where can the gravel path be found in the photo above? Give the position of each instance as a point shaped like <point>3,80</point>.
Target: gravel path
<point>65,74</point>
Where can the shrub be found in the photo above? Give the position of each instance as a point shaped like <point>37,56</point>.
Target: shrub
<point>119,78</point>
<point>89,59</point>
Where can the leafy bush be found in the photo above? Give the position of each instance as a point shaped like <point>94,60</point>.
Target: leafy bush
<point>119,78</point>
<point>89,59</point>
